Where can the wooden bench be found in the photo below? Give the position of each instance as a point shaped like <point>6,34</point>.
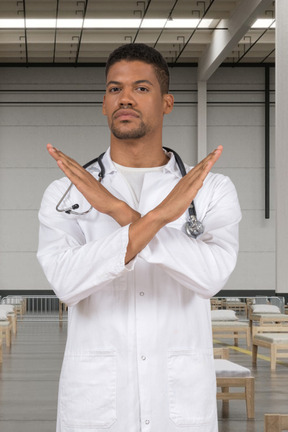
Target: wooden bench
<point>19,303</point>
<point>215,303</point>
<point>230,374</point>
<point>276,342</point>
<point>259,322</point>
<point>263,309</point>
<point>236,305</point>
<point>1,355</point>
<point>5,330</point>
<point>11,315</point>
<point>276,422</point>
<point>232,329</point>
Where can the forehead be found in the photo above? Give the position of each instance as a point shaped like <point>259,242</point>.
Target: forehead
<point>135,70</point>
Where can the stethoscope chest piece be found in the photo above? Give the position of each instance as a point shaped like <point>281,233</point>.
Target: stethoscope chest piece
<point>193,227</point>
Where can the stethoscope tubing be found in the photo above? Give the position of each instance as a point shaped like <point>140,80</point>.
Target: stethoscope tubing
<point>193,227</point>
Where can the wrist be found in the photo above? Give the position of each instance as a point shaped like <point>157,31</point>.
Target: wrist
<point>155,218</point>
<point>123,213</point>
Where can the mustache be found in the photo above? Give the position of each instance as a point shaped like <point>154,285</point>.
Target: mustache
<point>125,108</point>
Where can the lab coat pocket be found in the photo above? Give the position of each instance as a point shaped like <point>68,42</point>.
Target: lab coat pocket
<point>88,391</point>
<point>192,387</point>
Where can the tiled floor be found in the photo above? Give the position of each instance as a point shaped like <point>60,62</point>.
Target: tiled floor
<point>29,378</point>
<point>30,371</point>
<point>271,393</point>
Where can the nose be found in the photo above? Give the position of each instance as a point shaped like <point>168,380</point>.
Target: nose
<point>126,98</point>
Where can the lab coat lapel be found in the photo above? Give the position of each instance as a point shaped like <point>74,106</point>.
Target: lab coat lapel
<point>115,182</point>
<point>156,187</point>
<point>120,189</point>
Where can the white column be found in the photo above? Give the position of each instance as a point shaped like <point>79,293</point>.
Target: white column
<point>202,120</point>
<point>281,157</point>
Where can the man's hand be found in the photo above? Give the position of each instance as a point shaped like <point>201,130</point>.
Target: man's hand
<point>95,193</point>
<point>171,208</point>
<point>142,230</point>
<point>181,196</point>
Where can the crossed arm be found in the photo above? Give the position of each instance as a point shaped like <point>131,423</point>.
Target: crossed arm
<point>142,229</point>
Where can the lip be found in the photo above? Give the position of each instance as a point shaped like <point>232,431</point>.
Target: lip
<point>125,114</point>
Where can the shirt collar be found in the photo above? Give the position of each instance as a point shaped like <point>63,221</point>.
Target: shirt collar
<point>108,163</point>
<point>171,165</point>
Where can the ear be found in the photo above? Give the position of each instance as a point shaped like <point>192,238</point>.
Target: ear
<point>104,106</point>
<point>168,103</point>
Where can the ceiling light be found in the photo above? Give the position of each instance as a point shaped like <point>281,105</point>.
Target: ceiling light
<point>264,23</point>
<point>112,23</point>
<point>40,23</point>
<point>153,23</point>
<point>176,23</point>
<point>103,23</point>
<point>69,23</point>
<point>12,23</point>
<point>188,23</point>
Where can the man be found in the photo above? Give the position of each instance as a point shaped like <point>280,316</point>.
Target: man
<point>139,354</point>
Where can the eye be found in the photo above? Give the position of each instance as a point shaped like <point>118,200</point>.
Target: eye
<point>114,89</point>
<point>142,89</point>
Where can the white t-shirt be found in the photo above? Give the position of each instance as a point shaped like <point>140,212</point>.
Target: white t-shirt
<point>135,177</point>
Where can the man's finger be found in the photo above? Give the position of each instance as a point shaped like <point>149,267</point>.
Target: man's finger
<point>69,162</point>
<point>211,159</point>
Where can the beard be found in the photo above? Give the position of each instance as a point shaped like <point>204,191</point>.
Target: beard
<point>138,132</point>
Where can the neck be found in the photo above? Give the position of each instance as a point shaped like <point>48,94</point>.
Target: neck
<point>137,154</point>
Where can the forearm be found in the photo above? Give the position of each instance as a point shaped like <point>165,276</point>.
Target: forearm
<point>123,213</point>
<point>78,256</point>
<point>201,265</point>
<point>171,208</point>
<point>142,231</point>
<point>76,270</point>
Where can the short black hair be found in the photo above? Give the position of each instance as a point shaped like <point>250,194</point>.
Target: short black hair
<point>146,54</point>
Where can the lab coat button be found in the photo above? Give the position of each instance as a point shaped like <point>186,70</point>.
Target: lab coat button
<point>147,422</point>
<point>141,293</point>
<point>143,357</point>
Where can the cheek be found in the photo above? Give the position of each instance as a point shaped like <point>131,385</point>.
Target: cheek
<point>108,111</point>
<point>156,113</point>
<point>108,105</point>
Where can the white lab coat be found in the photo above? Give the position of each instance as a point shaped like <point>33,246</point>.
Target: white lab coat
<point>139,354</point>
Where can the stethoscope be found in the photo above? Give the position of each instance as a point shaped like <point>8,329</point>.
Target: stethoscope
<point>193,227</point>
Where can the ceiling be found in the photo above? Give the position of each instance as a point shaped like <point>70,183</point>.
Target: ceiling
<point>228,39</point>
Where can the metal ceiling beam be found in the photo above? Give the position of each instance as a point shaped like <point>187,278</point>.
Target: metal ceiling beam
<point>196,28</point>
<point>169,17</point>
<point>55,34</point>
<point>223,42</point>
<point>25,31</point>
<point>254,43</point>
<point>142,17</point>
<point>82,29</point>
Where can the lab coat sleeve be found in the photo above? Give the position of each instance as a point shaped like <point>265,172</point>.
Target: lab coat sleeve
<point>203,264</point>
<point>76,268</point>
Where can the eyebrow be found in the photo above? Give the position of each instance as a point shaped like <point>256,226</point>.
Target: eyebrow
<point>136,82</point>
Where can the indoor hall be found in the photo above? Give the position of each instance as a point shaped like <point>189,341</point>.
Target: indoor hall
<point>31,368</point>
<point>228,66</point>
